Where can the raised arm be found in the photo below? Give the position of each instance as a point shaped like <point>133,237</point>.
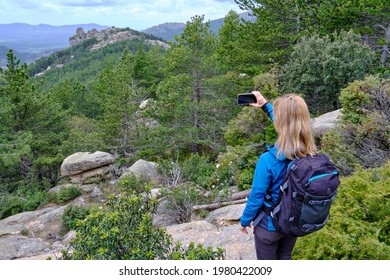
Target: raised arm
<point>263,104</point>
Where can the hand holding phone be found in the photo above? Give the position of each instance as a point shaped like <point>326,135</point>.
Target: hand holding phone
<point>246,98</point>
<point>255,99</point>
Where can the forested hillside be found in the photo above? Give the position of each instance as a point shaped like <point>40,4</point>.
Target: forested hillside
<point>335,55</point>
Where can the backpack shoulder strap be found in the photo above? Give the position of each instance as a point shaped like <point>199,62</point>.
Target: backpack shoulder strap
<point>268,199</point>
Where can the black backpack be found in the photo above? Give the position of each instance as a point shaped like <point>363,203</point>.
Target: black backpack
<point>306,195</point>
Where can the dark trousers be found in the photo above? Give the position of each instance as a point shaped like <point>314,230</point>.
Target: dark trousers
<point>273,245</point>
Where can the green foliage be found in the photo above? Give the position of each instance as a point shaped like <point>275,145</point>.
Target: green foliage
<point>73,215</point>
<point>248,127</point>
<point>197,252</point>
<point>339,152</point>
<point>123,230</point>
<point>247,136</point>
<point>32,126</point>
<point>362,135</point>
<point>134,184</point>
<point>84,135</point>
<point>228,37</point>
<point>24,198</point>
<point>320,67</point>
<point>267,83</point>
<point>358,228</point>
<point>197,169</point>
<point>193,100</point>
<point>120,94</point>
<point>365,127</point>
<point>82,64</point>
<point>280,24</point>
<point>65,194</point>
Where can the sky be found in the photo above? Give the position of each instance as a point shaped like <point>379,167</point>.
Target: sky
<point>136,14</point>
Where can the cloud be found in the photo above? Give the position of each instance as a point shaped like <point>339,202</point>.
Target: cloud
<point>25,4</point>
<point>92,3</point>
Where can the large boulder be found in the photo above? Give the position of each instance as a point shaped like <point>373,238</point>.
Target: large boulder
<point>325,122</point>
<point>145,169</point>
<point>83,161</point>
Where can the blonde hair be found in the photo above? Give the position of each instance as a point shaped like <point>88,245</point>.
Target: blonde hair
<point>293,124</point>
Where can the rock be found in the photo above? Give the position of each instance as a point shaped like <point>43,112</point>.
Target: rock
<point>144,104</point>
<point>226,215</point>
<point>19,247</point>
<point>86,188</point>
<point>143,168</point>
<point>325,122</point>
<point>78,37</point>
<point>163,216</point>
<point>236,244</point>
<point>83,161</point>
<point>92,176</point>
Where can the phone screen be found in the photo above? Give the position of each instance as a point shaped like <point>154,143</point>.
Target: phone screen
<point>246,98</point>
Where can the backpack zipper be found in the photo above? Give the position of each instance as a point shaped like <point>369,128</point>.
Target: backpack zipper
<point>320,176</point>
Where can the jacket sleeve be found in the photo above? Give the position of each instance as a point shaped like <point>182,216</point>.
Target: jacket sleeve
<point>269,110</point>
<point>260,185</point>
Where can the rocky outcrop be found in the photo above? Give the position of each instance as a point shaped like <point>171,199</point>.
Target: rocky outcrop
<point>110,36</point>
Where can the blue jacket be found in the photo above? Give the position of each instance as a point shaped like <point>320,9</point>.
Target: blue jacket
<point>269,173</point>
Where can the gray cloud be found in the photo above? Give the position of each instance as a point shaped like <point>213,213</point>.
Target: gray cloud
<point>91,3</point>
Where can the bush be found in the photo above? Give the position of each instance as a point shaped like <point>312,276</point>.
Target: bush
<point>133,184</point>
<point>73,215</point>
<point>362,137</point>
<point>247,128</point>
<point>25,198</point>
<point>358,228</point>
<point>181,200</point>
<point>198,169</point>
<point>320,67</point>
<point>65,194</point>
<point>123,231</point>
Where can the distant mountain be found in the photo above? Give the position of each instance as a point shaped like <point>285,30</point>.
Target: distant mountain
<point>3,56</point>
<point>27,38</point>
<point>167,31</point>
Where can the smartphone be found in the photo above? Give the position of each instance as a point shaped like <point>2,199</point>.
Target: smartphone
<point>246,98</point>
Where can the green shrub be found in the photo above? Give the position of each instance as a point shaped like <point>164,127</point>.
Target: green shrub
<point>66,194</point>
<point>247,128</point>
<point>25,198</point>
<point>73,215</point>
<point>133,184</point>
<point>123,230</point>
<point>197,169</point>
<point>320,67</point>
<point>358,228</point>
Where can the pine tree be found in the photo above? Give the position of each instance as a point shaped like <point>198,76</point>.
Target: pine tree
<point>31,126</point>
<point>193,98</point>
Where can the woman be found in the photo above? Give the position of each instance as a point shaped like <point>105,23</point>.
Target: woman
<point>293,124</point>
